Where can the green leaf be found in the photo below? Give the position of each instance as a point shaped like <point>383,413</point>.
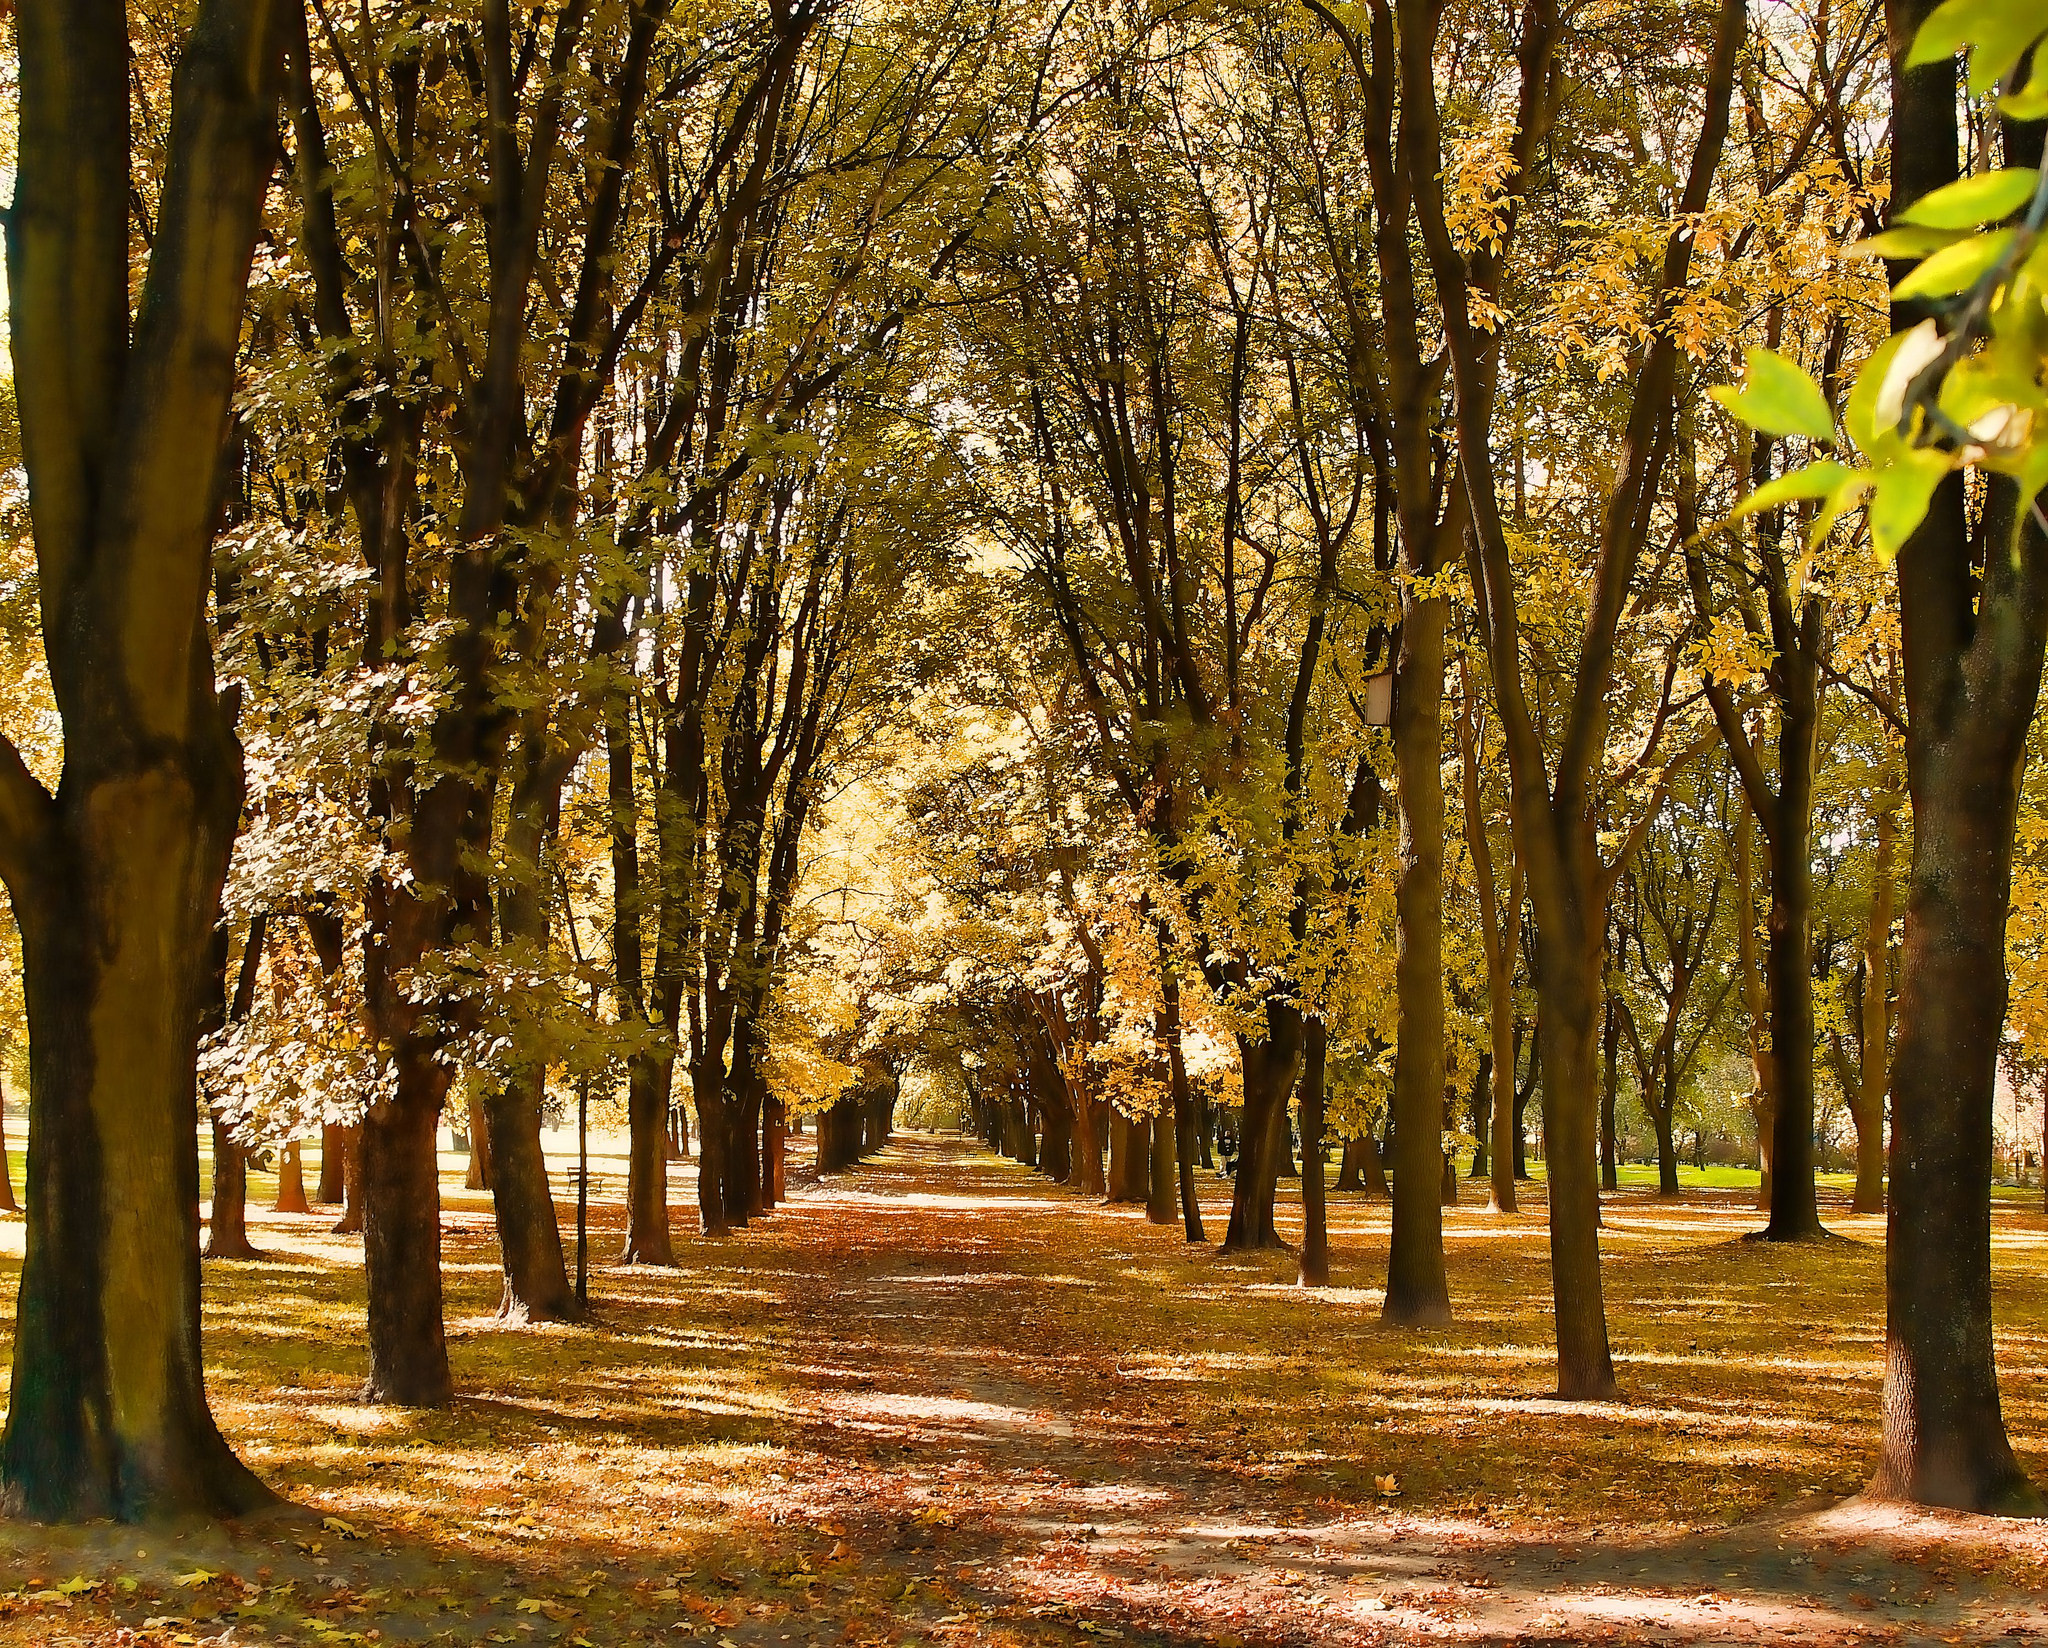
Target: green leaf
<point>1955,268</point>
<point>1903,243</point>
<point>1996,32</point>
<point>1871,416</point>
<point>1985,198</point>
<point>1898,498</point>
<point>1779,398</point>
<point>2031,101</point>
<point>1814,480</point>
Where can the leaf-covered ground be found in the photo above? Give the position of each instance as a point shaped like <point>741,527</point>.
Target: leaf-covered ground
<point>939,1401</point>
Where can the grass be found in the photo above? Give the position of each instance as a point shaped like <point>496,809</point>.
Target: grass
<point>941,1400</point>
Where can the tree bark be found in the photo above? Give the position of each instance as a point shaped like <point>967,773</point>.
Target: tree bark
<point>291,1181</point>
<point>7,1202</point>
<point>478,1176</point>
<point>227,1213</point>
<point>1186,1112</point>
<point>1973,610</point>
<point>1162,1205</point>
<point>1874,1063</point>
<point>1269,1067</point>
<point>537,1285</point>
<point>348,1168</point>
<point>1610,1058</point>
<point>401,1213</point>
<point>330,1189</point>
<point>1315,1225</point>
<point>116,878</point>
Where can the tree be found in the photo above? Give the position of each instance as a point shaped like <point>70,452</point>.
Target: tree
<point>116,876</point>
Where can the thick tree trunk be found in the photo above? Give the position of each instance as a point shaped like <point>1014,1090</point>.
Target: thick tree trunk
<point>1129,1176</point>
<point>401,1183</point>
<point>1162,1205</point>
<point>116,878</point>
<point>1874,1065</point>
<point>707,1084</point>
<point>1788,971</point>
<point>1056,1154</point>
<point>648,1075</point>
<point>1667,1147</point>
<point>227,1214</point>
<point>1567,1027</point>
<point>1269,1067</point>
<point>537,1286</point>
<point>291,1181</point>
<point>1973,611</point>
<point>1315,1224</point>
<point>331,1188</point>
<point>1418,1292</point>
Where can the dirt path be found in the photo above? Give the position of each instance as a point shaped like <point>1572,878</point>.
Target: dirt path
<point>939,1401</point>
<point>1036,1477</point>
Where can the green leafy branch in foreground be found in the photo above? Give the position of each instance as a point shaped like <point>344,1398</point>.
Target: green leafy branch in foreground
<point>1963,387</point>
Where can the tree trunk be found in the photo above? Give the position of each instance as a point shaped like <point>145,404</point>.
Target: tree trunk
<point>1056,1154</point>
<point>537,1285</point>
<point>648,1076</point>
<point>1162,1206</point>
<point>1788,970</point>
<point>227,1216</point>
<point>1667,1148</point>
<point>348,1167</point>
<point>1187,1112</point>
<point>1874,1064</point>
<point>707,1084</point>
<point>1269,1067</point>
<point>1610,1058</point>
<point>1417,1290</point>
<point>1129,1176</point>
<point>401,1214</point>
<point>1315,1225</point>
<point>330,1190</point>
<point>1481,1107</point>
<point>479,1175</point>
<point>7,1201</point>
<point>1567,1019</point>
<point>291,1181</point>
<point>1973,610</point>
<point>1507,1109</point>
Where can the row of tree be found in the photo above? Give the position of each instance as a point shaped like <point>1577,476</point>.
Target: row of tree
<point>1105,552</point>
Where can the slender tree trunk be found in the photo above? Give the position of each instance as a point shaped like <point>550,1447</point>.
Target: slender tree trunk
<point>1315,1227</point>
<point>1610,1070</point>
<point>1481,1107</point>
<point>1874,1065</point>
<point>1186,1113</point>
<point>401,1214</point>
<point>478,1176</point>
<point>1507,1111</point>
<point>7,1202</point>
<point>291,1181</point>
